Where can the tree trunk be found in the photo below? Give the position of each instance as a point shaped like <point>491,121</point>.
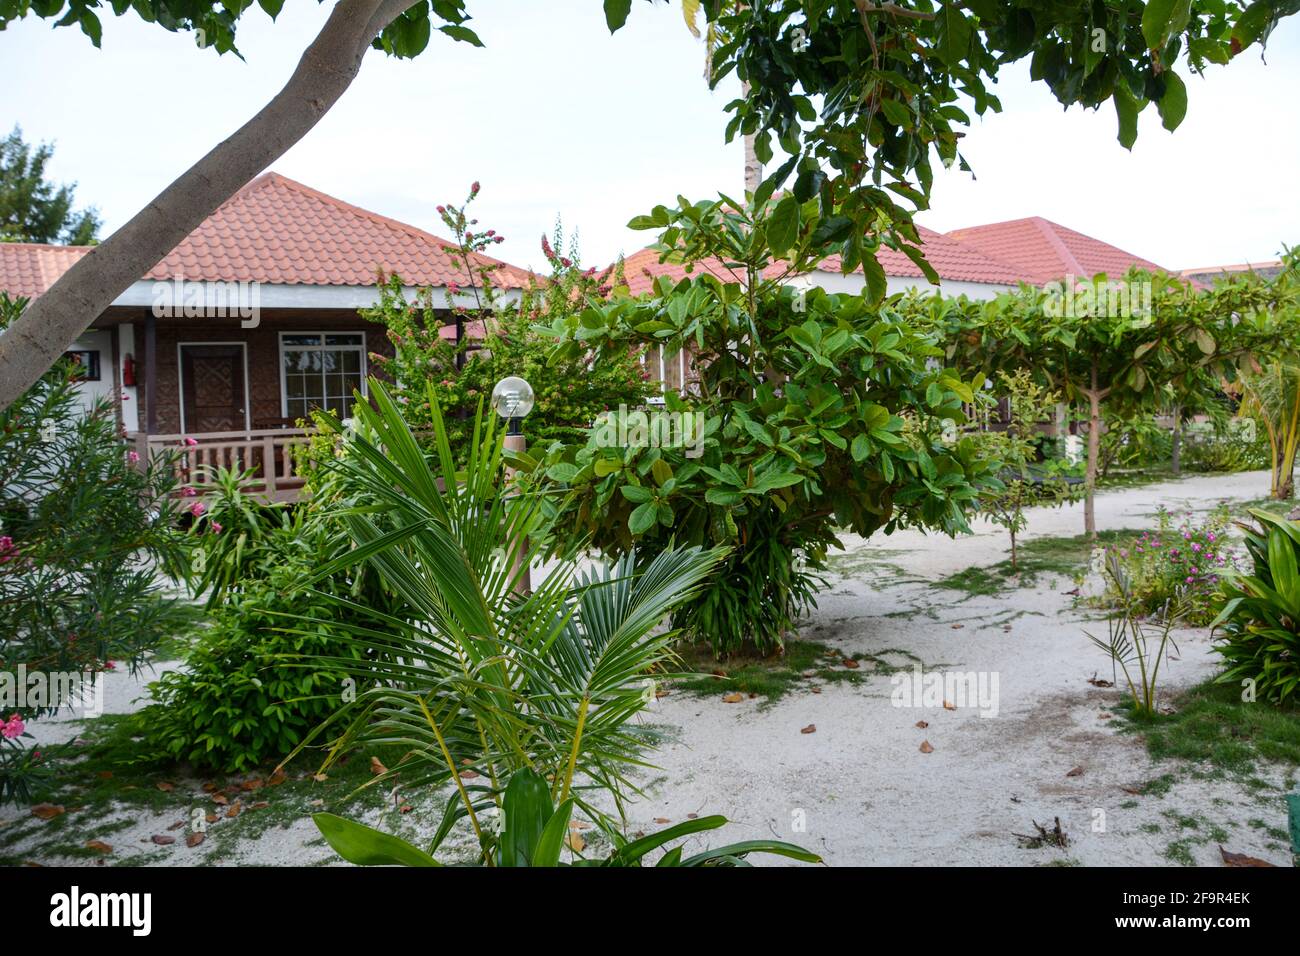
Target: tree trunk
<point>53,322</point>
<point>1094,449</point>
<point>1176,442</point>
<point>753,168</point>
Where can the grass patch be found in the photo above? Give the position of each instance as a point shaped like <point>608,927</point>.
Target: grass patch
<point>107,785</point>
<point>773,677</point>
<point>1065,556</point>
<point>1213,725</point>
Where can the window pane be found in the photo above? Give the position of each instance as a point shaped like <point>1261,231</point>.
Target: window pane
<point>301,340</point>
<point>349,339</point>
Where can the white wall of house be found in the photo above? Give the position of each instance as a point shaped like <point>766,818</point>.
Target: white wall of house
<point>130,393</point>
<point>98,341</point>
<point>854,284</point>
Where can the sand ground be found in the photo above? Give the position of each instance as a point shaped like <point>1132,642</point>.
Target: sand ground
<point>859,790</point>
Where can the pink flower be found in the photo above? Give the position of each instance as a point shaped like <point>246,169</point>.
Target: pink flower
<point>197,509</point>
<point>1196,546</point>
<point>132,457</point>
<point>188,492</point>
<point>7,550</point>
<point>12,728</point>
<point>473,190</point>
<point>109,666</point>
<point>191,442</point>
<point>215,527</point>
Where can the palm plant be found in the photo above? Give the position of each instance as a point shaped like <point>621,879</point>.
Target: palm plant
<point>1273,396</point>
<point>469,674</point>
<point>1130,644</point>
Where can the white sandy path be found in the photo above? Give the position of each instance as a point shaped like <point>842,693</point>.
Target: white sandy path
<point>864,792</point>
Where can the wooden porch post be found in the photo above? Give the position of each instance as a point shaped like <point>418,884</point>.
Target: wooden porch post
<point>151,373</point>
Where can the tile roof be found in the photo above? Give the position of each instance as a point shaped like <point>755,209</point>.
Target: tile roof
<point>28,269</point>
<point>950,258</point>
<point>277,231</point>
<point>1044,251</point>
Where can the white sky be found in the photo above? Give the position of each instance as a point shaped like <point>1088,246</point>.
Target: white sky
<point>555,117</point>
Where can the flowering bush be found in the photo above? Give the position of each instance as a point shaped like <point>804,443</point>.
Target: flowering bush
<point>459,348</point>
<point>87,538</point>
<point>1180,564</point>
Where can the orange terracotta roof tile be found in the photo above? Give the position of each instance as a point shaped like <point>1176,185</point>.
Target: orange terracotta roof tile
<point>277,231</point>
<point>1045,251</point>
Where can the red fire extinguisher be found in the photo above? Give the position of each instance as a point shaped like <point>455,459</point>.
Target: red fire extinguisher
<point>128,369</point>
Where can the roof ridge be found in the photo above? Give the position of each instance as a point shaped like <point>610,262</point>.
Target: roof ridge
<point>1047,229</point>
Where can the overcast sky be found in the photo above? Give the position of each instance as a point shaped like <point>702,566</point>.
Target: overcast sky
<point>555,117</point>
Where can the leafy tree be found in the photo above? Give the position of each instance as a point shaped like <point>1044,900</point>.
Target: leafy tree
<point>1116,359</point>
<point>32,209</point>
<point>812,414</point>
<point>462,371</point>
<point>886,75</point>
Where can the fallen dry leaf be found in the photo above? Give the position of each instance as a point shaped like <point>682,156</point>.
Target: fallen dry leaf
<point>692,816</point>
<point>320,777</point>
<point>212,818</point>
<point>99,846</point>
<point>248,786</point>
<point>661,693</point>
<point>923,724</point>
<point>810,729</point>
<point>233,811</point>
<point>1241,859</point>
<point>260,805</point>
<point>220,798</point>
<point>105,775</point>
<point>662,820</point>
<point>377,766</point>
<point>1096,681</point>
<point>1076,772</point>
<point>735,697</point>
<point>405,808</point>
<point>162,839</point>
<point>948,705</point>
<point>816,690</point>
<point>809,673</point>
<point>575,840</point>
<point>926,748</point>
<point>209,787</point>
<point>47,811</point>
<point>177,825</point>
<point>958,627</point>
<point>194,839</point>
<point>851,664</point>
<point>468,774</point>
<point>277,778</point>
<point>164,786</point>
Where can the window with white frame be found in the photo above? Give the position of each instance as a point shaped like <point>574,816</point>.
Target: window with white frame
<point>321,370</point>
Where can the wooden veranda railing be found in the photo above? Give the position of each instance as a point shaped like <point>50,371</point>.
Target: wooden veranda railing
<point>265,451</point>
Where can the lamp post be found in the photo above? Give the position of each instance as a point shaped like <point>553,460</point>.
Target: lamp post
<point>512,399</point>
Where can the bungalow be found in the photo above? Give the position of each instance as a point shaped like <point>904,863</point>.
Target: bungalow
<point>247,324</point>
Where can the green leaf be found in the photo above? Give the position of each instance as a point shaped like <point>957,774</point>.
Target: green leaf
<point>643,518</point>
<point>526,806</point>
<point>636,493</point>
<point>861,448</point>
<point>1126,108</point>
<point>1205,341</point>
<point>1173,104</point>
<point>547,850</point>
<point>616,12</point>
<point>1162,19</point>
<point>783,225</point>
<point>366,846</point>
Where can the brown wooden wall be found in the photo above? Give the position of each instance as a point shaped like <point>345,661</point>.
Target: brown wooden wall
<point>263,346</point>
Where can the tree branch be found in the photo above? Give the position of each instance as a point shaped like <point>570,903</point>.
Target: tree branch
<point>53,322</point>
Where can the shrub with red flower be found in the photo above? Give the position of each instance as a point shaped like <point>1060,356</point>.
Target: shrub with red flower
<point>1179,564</point>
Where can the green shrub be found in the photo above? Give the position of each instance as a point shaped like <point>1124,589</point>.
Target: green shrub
<point>1259,624</point>
<point>1180,564</point>
<point>245,696</point>
<point>1242,445</point>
